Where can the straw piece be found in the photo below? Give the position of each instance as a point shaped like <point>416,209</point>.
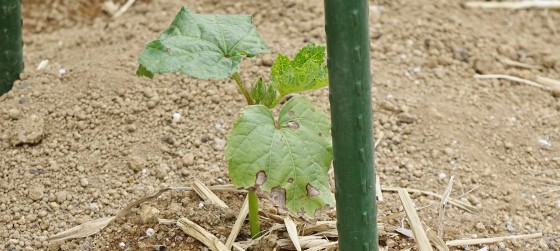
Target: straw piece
<point>199,233</point>
<point>305,242</point>
<point>510,78</point>
<point>237,247</point>
<point>42,64</point>
<point>378,191</point>
<point>238,223</point>
<point>379,138</point>
<point>416,225</point>
<point>442,206</point>
<point>206,194</point>
<point>458,203</point>
<point>83,230</point>
<point>436,241</point>
<point>492,240</point>
<point>552,83</point>
<point>320,226</point>
<point>510,62</point>
<point>216,188</point>
<point>110,7</point>
<point>167,222</point>
<point>514,5</point>
<point>292,232</point>
<point>326,246</point>
<point>124,8</point>
<point>405,231</point>
<point>94,226</point>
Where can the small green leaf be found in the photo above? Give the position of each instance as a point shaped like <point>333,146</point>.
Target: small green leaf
<point>306,72</point>
<point>258,91</point>
<point>264,94</point>
<point>270,97</point>
<point>291,157</point>
<point>202,46</point>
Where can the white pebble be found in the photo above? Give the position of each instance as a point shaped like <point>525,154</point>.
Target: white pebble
<point>544,144</point>
<point>176,117</point>
<point>513,120</point>
<point>558,203</point>
<point>201,204</point>
<point>61,72</point>
<point>122,245</point>
<point>150,232</point>
<point>442,176</point>
<point>417,69</point>
<point>94,207</point>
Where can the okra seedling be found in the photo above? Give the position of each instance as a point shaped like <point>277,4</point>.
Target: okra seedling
<point>288,155</point>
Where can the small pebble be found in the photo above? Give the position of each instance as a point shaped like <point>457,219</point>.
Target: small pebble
<point>188,160</point>
<point>219,144</point>
<point>449,151</point>
<point>150,232</point>
<point>42,213</point>
<point>545,144</point>
<point>36,193</point>
<point>61,196</point>
<point>122,245</point>
<point>176,117</point>
<point>406,118</point>
<point>84,182</point>
<point>14,114</point>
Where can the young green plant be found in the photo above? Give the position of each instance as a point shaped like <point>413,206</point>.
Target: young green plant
<point>289,155</point>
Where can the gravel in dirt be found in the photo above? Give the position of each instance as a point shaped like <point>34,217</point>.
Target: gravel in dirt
<point>83,137</point>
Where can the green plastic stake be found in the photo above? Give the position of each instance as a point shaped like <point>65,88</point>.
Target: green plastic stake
<point>351,112</point>
<point>11,56</point>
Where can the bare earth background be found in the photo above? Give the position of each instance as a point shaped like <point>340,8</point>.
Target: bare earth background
<point>81,146</point>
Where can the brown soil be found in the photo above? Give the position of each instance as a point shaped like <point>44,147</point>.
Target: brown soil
<point>81,146</point>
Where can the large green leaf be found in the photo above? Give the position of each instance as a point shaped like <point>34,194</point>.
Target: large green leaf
<point>290,156</point>
<point>306,72</point>
<point>202,46</point>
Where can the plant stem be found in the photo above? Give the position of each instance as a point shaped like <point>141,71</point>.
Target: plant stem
<point>254,225</point>
<point>242,88</point>
<point>254,214</point>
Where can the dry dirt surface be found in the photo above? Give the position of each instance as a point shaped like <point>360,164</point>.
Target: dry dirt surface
<point>80,146</point>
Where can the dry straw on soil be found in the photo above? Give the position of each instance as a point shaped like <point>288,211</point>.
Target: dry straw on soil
<point>302,234</point>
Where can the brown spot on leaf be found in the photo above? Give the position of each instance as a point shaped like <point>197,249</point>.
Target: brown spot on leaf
<point>293,125</point>
<point>312,109</point>
<point>312,191</point>
<point>279,196</point>
<point>290,180</point>
<point>291,113</point>
<point>320,135</point>
<point>261,178</point>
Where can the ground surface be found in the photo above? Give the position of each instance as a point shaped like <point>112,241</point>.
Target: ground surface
<point>81,146</point>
